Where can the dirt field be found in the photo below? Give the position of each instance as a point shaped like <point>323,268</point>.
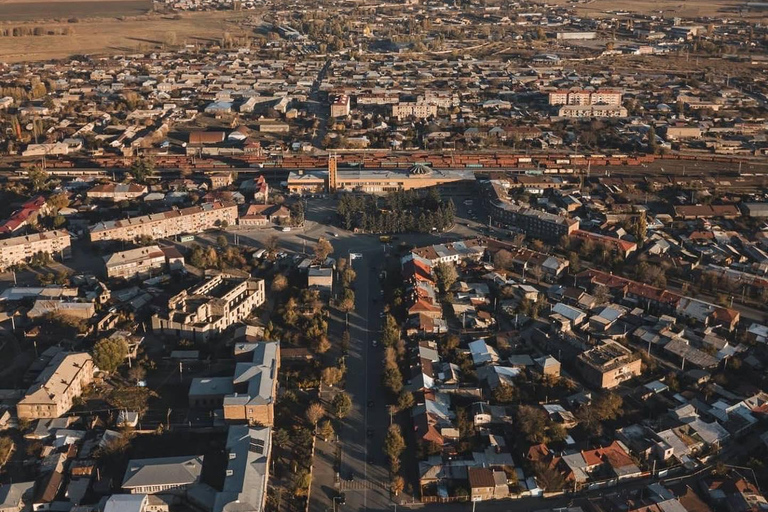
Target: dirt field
<point>21,10</point>
<point>683,8</point>
<point>111,36</point>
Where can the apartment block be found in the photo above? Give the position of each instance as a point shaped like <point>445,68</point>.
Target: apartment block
<point>169,223</point>
<point>590,111</point>
<point>247,474</point>
<point>20,248</point>
<point>585,97</point>
<point>340,106</point>
<point>608,365</point>
<point>209,309</point>
<point>412,109</point>
<point>532,222</point>
<point>138,262</point>
<point>57,386</point>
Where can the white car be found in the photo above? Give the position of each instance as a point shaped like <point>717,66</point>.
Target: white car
<point>375,343</point>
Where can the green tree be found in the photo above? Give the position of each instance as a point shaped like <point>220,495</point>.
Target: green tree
<point>394,444</point>
<point>390,332</point>
<point>58,201</point>
<point>38,178</point>
<point>532,422</point>
<point>59,221</point>
<point>446,275</point>
<point>505,393</point>
<point>322,249</point>
<point>314,413</point>
<point>142,169</point>
<point>221,241</point>
<point>341,405</point>
<point>325,429</point>
<point>405,400</point>
<point>110,353</point>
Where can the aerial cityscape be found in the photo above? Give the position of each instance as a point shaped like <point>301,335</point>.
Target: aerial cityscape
<point>354,255</point>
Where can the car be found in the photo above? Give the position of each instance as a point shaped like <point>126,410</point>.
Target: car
<point>375,343</point>
<point>285,229</point>
<point>370,432</point>
<point>342,499</point>
<point>370,403</point>
<point>336,235</point>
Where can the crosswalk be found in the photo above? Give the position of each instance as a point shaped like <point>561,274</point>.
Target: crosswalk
<point>359,485</point>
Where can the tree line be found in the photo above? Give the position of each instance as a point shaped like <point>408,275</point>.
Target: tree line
<point>36,31</point>
<point>399,212</point>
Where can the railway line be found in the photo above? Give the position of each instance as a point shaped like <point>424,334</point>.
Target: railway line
<point>481,163</point>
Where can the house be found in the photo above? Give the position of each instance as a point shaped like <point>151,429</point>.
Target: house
<point>321,279</point>
<point>245,484</point>
<point>482,353</point>
<point>487,484</point>
<point>55,389</point>
<point>116,192</point>
<point>255,385</point>
<point>152,476</point>
<point>13,497</point>
<point>608,365</point>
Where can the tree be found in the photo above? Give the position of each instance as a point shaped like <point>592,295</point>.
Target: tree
<point>59,221</point>
<point>325,430</point>
<point>137,373</point>
<point>322,249</point>
<point>345,340</point>
<point>347,302</point>
<point>446,275</point>
<point>301,483</point>
<point>58,201</point>
<point>393,380</point>
<point>221,241</point>
<point>504,393</point>
<point>314,413</point>
<point>397,485</point>
<point>281,437</point>
<point>110,353</point>
<point>405,400</point>
<point>532,422</point>
<point>390,332</point>
<point>142,169</point>
<point>38,178</point>
<point>279,283</point>
<point>394,444</point>
<point>332,375</point>
<point>653,145</point>
<point>341,405</point>
<point>321,344</point>
<point>272,244</point>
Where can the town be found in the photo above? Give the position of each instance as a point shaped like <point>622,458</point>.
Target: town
<point>477,255</point>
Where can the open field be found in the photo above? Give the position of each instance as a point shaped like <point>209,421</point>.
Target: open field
<point>20,10</point>
<point>111,36</point>
<point>669,8</point>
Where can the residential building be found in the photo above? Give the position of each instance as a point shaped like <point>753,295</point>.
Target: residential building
<point>28,212</point>
<point>487,484</point>
<point>340,106</point>
<point>320,278</point>
<point>247,474</point>
<point>405,110</point>
<point>139,262</point>
<point>194,219</point>
<point>608,365</point>
<point>116,192</point>
<point>20,248</point>
<point>13,496</point>
<point>54,390</point>
<point>532,222</point>
<point>152,476</point>
<point>590,111</point>
<point>255,384</point>
<point>208,309</point>
<point>585,97</point>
